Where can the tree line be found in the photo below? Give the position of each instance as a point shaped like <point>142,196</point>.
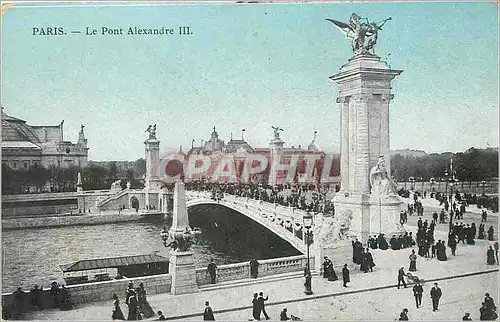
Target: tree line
<point>96,176</point>
<point>471,165</point>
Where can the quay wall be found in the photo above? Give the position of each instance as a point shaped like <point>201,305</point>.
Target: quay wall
<point>68,220</point>
<point>97,291</point>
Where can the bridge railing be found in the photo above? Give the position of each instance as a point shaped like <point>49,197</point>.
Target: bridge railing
<point>267,267</point>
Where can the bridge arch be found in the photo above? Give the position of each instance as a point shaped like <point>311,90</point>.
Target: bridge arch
<point>262,218</point>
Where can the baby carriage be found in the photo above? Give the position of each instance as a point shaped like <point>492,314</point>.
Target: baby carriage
<point>414,278</point>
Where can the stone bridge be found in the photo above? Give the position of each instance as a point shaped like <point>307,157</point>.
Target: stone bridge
<point>285,222</point>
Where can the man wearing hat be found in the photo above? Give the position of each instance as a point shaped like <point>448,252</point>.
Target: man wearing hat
<point>435,295</point>
<point>401,277</point>
<point>208,314</point>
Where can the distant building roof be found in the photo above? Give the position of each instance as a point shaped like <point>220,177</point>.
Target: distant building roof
<point>14,129</point>
<point>235,145</point>
<point>19,145</point>
<point>99,263</point>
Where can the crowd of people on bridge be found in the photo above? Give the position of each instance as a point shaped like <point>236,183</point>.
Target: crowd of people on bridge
<point>307,197</point>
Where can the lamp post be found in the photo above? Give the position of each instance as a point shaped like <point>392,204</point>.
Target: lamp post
<point>433,182</point>
<point>483,185</point>
<point>308,219</point>
<point>412,180</point>
<point>451,192</point>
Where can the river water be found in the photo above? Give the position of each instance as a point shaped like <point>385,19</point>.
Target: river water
<point>33,256</point>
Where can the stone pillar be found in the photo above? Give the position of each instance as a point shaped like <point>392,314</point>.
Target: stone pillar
<point>152,156</point>
<point>276,146</point>
<point>181,266</point>
<point>365,92</point>
<point>344,144</point>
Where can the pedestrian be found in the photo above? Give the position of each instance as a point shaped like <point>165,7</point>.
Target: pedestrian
<point>345,275</point>
<point>283,315</point>
<point>54,293</point>
<point>466,317</point>
<point>490,234</point>
<point>36,297</point>
<point>161,317</point>
<point>117,311</point>
<point>452,243</point>
<point>262,306</point>
<point>255,307</point>
<point>133,306</point>
<point>208,314</point>
<point>254,268</point>
<point>490,304</point>
<point>436,294</point>
<point>369,259</point>
<point>413,261</point>
<point>326,265</point>
<point>418,290</point>
<point>211,270</point>
<point>144,306</point>
<point>403,316</point>
<point>490,256</point>
<point>401,277</point>
<point>65,299</point>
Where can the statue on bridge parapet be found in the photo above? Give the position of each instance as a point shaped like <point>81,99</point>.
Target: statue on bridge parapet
<point>333,229</point>
<point>152,131</point>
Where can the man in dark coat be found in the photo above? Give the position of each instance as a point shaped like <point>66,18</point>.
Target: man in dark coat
<point>208,314</point>
<point>254,268</point>
<point>211,269</point>
<point>260,301</point>
<point>436,294</point>
<point>418,290</point>
<point>490,256</point>
<point>401,277</point>
<point>490,233</point>
<point>452,243</point>
<point>345,275</point>
<point>435,217</point>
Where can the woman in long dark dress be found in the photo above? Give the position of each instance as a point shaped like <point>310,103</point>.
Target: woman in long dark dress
<point>332,276</point>
<point>133,306</point>
<point>413,261</point>
<point>490,256</point>
<point>480,234</point>
<point>144,306</point>
<point>117,311</point>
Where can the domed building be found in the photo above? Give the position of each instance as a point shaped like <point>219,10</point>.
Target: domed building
<point>25,146</point>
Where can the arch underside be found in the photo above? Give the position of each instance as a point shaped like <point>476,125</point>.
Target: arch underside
<point>278,230</point>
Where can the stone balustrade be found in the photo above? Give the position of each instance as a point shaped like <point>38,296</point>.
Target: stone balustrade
<point>267,267</point>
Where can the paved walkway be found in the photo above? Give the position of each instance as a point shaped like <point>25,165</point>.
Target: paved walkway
<point>235,303</point>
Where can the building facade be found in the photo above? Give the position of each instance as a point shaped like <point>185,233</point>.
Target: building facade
<point>25,146</point>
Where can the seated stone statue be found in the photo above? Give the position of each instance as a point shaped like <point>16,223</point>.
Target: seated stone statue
<point>382,185</point>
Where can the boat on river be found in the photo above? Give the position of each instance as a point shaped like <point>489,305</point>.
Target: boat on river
<point>106,269</point>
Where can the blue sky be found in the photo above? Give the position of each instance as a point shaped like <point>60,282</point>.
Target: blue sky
<point>249,66</point>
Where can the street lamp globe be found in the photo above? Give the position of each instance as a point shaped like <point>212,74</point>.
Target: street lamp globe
<point>308,220</point>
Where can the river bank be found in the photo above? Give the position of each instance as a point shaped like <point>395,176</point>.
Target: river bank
<point>68,220</point>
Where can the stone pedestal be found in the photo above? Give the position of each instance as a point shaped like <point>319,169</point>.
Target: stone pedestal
<point>183,273</point>
<point>364,93</point>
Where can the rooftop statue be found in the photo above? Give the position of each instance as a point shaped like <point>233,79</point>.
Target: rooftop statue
<point>362,32</point>
<point>276,131</point>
